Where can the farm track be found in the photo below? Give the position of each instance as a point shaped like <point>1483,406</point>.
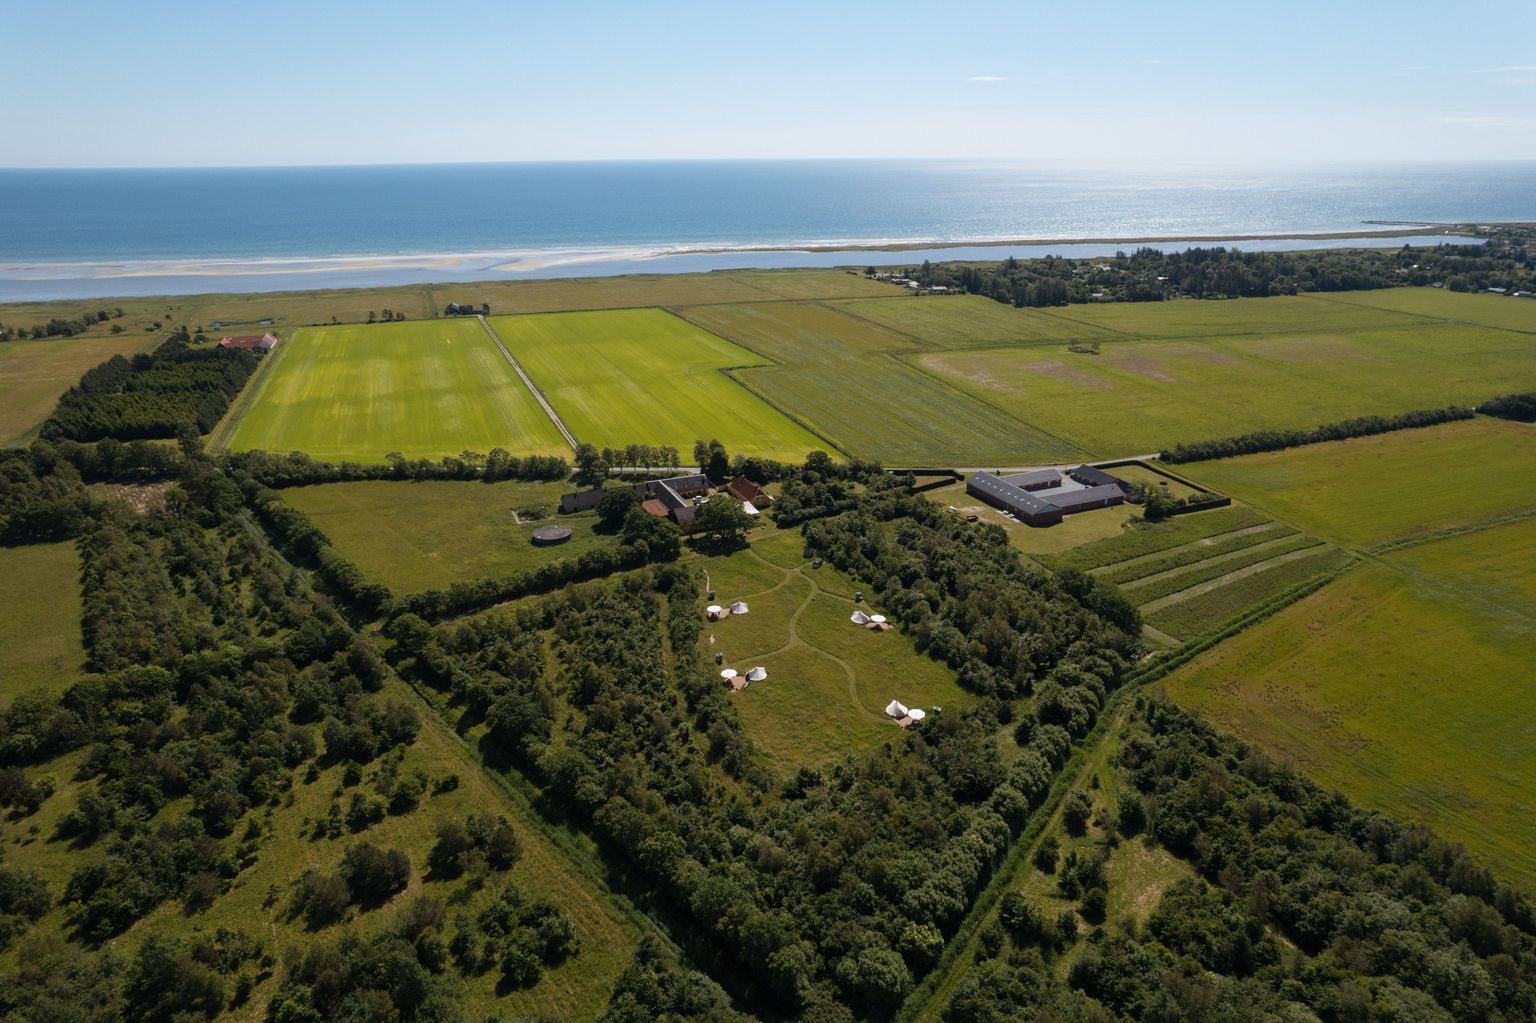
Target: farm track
<point>538,395</point>
<point>1204,541</point>
<point>1199,589</point>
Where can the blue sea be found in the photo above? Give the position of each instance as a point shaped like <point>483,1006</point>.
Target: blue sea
<point>72,233</point>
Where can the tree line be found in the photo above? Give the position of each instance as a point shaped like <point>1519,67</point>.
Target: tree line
<point>1151,275</point>
<point>1276,440</point>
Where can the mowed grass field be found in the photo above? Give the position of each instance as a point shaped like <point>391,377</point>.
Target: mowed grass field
<point>1188,317</point>
<point>357,393</point>
<point>971,321</point>
<point>1488,310</point>
<point>828,679</point>
<point>430,534</point>
<point>1141,396</point>
<point>644,376</point>
<point>33,374</point>
<point>837,372</point>
<point>40,647</point>
<point>1406,685</point>
<point>1369,490</point>
<point>635,291</point>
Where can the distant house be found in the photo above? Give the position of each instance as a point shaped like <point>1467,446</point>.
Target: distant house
<point>581,500</point>
<point>455,309</point>
<point>671,498</point>
<point>263,342</point>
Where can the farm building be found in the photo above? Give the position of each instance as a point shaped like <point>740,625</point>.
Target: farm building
<point>263,342</point>
<point>1018,494</point>
<point>670,498</point>
<point>744,489</point>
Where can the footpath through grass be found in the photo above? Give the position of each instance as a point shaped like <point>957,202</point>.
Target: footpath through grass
<point>423,389</point>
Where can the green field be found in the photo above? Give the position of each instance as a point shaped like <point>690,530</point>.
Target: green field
<point>828,680</point>
<point>33,374</point>
<point>1395,485</point>
<point>414,536</point>
<point>836,372</point>
<point>643,376</point>
<point>1488,310</point>
<point>1189,317</point>
<point>40,648</point>
<point>1405,685</point>
<point>357,393</point>
<point>635,291</point>
<point>1143,396</point>
<point>970,321</point>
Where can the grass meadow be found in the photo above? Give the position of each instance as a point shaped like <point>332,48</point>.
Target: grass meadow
<point>836,372</point>
<point>969,321</point>
<point>638,291</point>
<point>40,643</point>
<point>1144,396</point>
<point>1187,317</point>
<point>1369,490</point>
<point>1404,684</point>
<point>1487,310</point>
<point>33,374</point>
<point>646,376</point>
<point>357,393</point>
<point>421,535</point>
<point>828,680</point>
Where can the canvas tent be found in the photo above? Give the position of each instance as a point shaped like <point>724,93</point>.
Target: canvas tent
<point>739,608</point>
<point>859,618</point>
<point>757,674</point>
<point>895,709</point>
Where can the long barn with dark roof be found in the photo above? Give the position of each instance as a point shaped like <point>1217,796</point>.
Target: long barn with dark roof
<point>1024,495</point>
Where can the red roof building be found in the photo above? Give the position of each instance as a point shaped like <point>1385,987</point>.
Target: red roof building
<point>656,508</point>
<point>744,489</point>
<point>265,342</point>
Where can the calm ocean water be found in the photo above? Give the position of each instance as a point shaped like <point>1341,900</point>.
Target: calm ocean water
<point>146,231</point>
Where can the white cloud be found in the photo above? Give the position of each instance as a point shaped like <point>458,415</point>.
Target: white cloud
<point>986,78</point>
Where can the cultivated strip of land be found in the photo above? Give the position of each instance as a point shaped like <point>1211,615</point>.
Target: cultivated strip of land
<point>554,417</point>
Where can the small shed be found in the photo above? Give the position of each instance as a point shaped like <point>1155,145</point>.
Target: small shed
<point>750,509</point>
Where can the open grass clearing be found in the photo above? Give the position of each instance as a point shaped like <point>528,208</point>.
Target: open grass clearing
<point>34,374</point>
<point>645,376</point>
<point>40,643</point>
<point>1402,684</point>
<point>1210,605</point>
<point>970,321</point>
<point>1188,317</point>
<point>835,373</point>
<point>1488,310</point>
<point>357,393</point>
<point>828,679</point>
<point>428,534</point>
<point>1142,396</point>
<point>1391,486</point>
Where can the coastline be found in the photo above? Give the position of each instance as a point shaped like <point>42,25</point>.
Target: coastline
<point>22,281</point>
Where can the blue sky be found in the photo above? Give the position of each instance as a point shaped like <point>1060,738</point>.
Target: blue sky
<point>170,84</point>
